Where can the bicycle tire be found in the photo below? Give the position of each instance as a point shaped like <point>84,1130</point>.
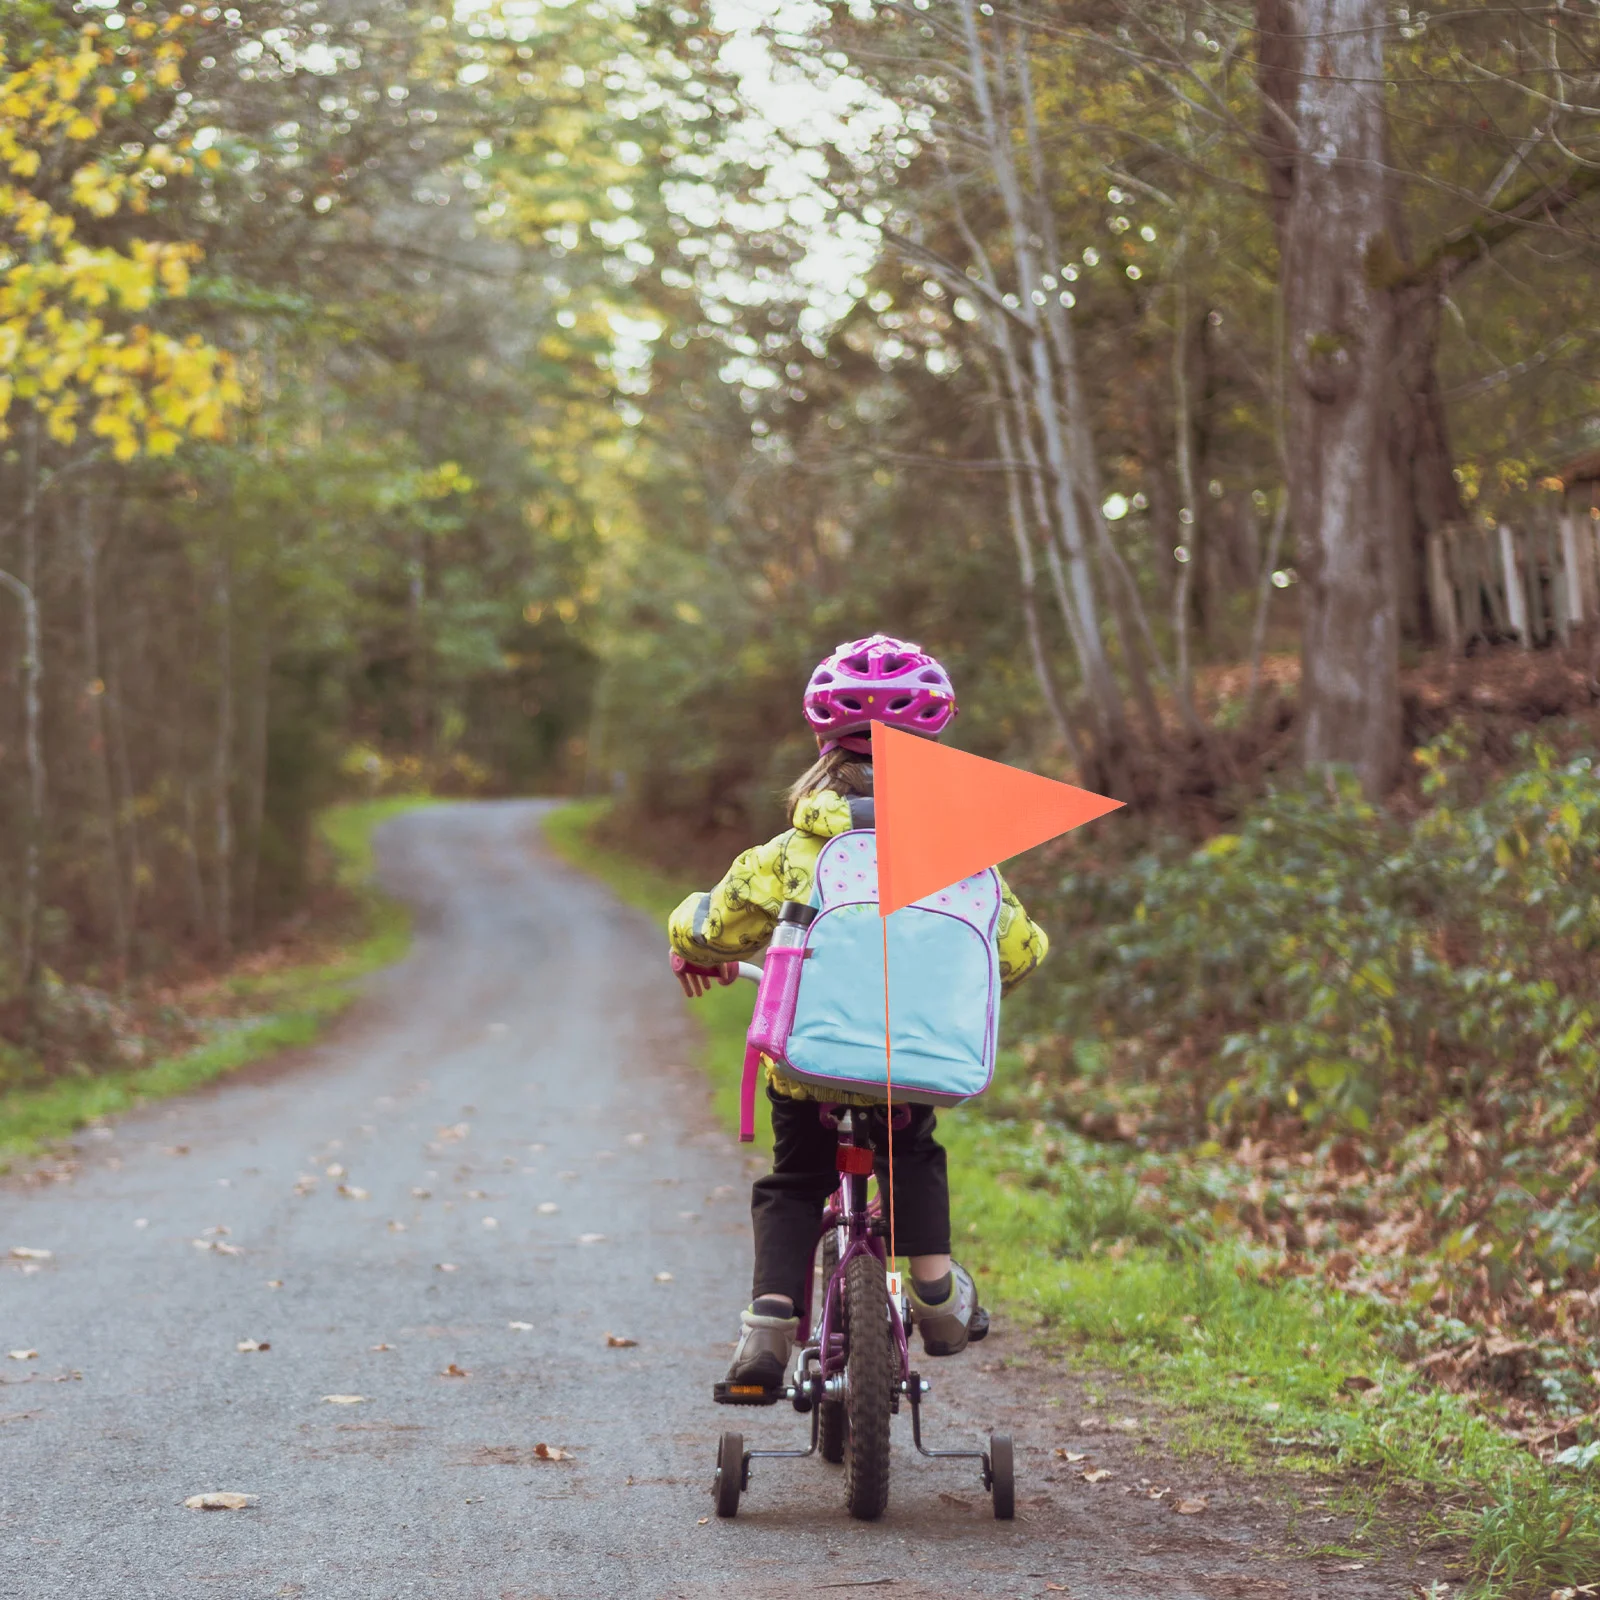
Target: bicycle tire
<point>869,1391</point>
<point>833,1427</point>
<point>729,1481</point>
<point>1002,1470</point>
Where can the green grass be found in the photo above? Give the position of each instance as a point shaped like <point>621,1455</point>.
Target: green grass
<point>286,1008</point>
<point>1249,1369</point>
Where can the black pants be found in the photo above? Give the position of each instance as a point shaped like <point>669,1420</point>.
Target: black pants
<point>786,1206</point>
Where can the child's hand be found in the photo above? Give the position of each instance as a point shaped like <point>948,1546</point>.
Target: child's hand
<point>694,981</point>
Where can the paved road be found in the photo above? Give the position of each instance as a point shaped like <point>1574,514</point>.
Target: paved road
<point>492,1165</point>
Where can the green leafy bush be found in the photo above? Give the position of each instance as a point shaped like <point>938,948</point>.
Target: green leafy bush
<point>1353,966</point>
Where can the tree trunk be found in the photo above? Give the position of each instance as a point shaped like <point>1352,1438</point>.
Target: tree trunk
<point>1419,448</point>
<point>31,968</point>
<point>99,753</point>
<point>222,761</point>
<point>1323,71</point>
<point>1027,578</point>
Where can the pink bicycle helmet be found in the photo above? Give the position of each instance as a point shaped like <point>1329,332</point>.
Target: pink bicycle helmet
<point>879,679</point>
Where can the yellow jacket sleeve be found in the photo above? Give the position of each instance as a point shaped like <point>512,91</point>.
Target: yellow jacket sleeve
<point>1023,943</point>
<point>737,917</point>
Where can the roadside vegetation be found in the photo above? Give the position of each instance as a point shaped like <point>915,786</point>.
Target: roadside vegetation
<point>159,1042</point>
<point>1336,1286</point>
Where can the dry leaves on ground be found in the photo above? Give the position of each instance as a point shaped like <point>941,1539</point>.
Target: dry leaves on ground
<point>551,1452</point>
<point>343,1399</point>
<point>447,1266</point>
<point>351,1192</point>
<point>591,1238</point>
<point>1063,1454</point>
<point>1096,1474</point>
<point>247,1346</point>
<point>1190,1508</point>
<point>453,1371</point>
<point>220,1500</point>
<point>548,1208</point>
<point>521,1327</point>
<point>620,1341</point>
<point>23,1355</point>
<point>663,1277</point>
<point>23,1252</point>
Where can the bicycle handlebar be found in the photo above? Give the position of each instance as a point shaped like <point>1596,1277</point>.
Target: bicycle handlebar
<point>749,970</point>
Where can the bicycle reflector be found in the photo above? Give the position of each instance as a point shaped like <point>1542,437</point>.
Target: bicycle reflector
<point>854,1159</point>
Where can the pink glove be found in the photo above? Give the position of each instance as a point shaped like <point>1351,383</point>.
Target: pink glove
<point>694,981</point>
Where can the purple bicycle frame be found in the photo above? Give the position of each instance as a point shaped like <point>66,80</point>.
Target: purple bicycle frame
<point>843,1212</point>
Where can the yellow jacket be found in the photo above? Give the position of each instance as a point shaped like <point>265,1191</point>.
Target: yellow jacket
<point>736,919</point>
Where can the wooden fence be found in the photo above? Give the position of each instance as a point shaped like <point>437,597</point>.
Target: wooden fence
<point>1533,584</point>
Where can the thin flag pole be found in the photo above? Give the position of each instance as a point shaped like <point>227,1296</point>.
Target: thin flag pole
<point>888,1087</point>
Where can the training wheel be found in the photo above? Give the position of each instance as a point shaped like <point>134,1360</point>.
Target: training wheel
<point>730,1475</point>
<point>1002,1477</point>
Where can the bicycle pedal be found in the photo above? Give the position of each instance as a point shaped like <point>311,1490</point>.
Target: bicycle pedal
<point>745,1394</point>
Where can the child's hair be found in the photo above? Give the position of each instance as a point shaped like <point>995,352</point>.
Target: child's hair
<point>840,770</point>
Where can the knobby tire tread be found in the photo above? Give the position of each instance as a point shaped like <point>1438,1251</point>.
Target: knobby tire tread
<point>833,1430</point>
<point>870,1390</point>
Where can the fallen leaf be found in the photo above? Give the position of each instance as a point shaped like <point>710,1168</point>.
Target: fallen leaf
<point>476,1194</point>
<point>447,1266</point>
<point>453,1371</point>
<point>491,1222</point>
<point>343,1399</point>
<point>1357,1384</point>
<point>620,1341</point>
<point>25,1355</point>
<point>226,1249</point>
<point>1096,1474</point>
<point>1055,1588</point>
<point>422,1194</point>
<point>702,1522</point>
<point>1126,1424</point>
<point>1190,1508</point>
<point>397,1227</point>
<point>1071,1455</point>
<point>334,1170</point>
<point>274,1283</point>
<point>220,1500</point>
<point>663,1277</point>
<point>22,1252</point>
<point>551,1452</point>
<point>246,1346</point>
<point>591,1238</point>
<point>522,1327</point>
<point>380,1347</point>
<point>548,1208</point>
<point>351,1192</point>
<point>954,1500</point>
<point>176,1150</point>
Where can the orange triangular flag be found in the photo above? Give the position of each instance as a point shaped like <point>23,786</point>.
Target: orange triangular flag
<point>943,814</point>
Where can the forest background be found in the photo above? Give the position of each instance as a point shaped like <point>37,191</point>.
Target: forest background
<point>519,397</point>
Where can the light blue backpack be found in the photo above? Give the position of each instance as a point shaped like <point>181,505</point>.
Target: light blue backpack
<point>820,1008</point>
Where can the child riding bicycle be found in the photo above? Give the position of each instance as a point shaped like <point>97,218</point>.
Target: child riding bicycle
<point>878,679</point>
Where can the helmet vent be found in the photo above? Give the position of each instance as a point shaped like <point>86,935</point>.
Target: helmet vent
<point>858,664</point>
<point>893,663</point>
<point>900,703</point>
<point>822,675</point>
<point>849,702</point>
<point>929,677</point>
<point>929,711</point>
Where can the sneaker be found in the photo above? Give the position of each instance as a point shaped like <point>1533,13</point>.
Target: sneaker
<point>949,1325</point>
<point>765,1347</point>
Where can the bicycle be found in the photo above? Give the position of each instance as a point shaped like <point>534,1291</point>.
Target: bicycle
<point>854,1366</point>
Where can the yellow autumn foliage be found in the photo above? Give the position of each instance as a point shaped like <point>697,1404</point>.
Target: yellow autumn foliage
<point>72,345</point>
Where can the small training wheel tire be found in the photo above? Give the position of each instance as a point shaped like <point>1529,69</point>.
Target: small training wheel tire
<point>1002,1477</point>
<point>730,1474</point>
